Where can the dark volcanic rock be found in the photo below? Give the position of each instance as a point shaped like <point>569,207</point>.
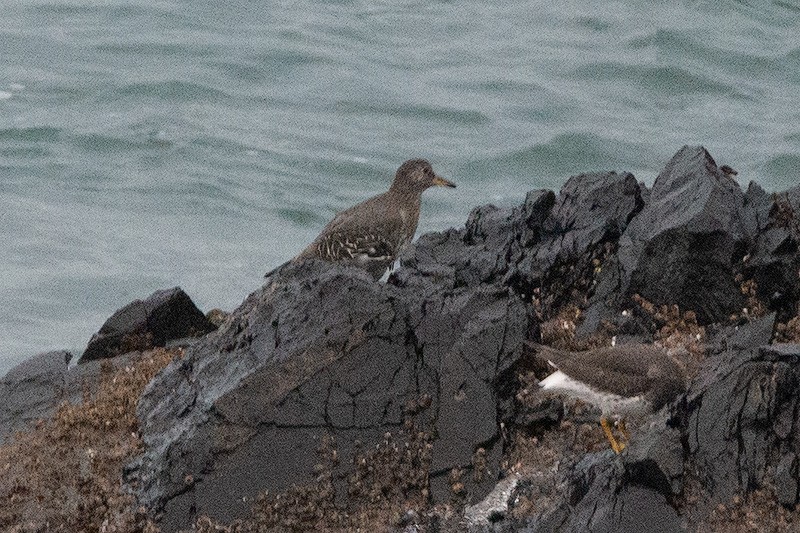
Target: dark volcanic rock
<point>598,496</point>
<point>683,246</point>
<point>742,420</point>
<point>143,324</point>
<point>611,504</point>
<point>31,390</point>
<point>323,350</point>
<point>773,262</point>
<point>547,243</point>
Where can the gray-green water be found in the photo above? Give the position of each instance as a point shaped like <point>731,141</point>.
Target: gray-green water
<point>147,144</point>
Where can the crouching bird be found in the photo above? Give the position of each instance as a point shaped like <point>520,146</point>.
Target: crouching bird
<point>627,382</point>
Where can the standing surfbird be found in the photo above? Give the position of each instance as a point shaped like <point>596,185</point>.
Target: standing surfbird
<point>369,235</point>
<point>628,382</point>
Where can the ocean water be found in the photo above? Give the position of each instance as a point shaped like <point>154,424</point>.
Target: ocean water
<point>148,144</point>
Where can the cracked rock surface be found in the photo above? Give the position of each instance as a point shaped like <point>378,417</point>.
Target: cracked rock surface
<point>324,351</point>
<point>320,351</point>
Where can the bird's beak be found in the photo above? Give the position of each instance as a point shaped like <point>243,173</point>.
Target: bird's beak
<point>441,182</point>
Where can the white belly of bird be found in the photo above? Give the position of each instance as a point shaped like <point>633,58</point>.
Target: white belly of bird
<point>610,404</point>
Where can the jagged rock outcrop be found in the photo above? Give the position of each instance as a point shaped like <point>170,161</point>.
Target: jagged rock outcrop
<point>323,350</point>
<point>682,248</point>
<point>732,434</point>
<point>163,316</point>
<point>773,261</point>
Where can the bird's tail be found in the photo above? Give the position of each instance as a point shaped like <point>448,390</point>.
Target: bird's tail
<point>277,270</point>
<point>551,355</point>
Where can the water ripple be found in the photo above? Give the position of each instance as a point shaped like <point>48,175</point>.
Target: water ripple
<point>172,90</point>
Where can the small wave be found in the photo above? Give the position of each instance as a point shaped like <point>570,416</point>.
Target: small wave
<point>670,79</point>
<point>793,137</point>
<point>306,218</point>
<point>109,144</point>
<point>219,144</point>
<point>32,134</point>
<point>593,23</point>
<point>25,152</point>
<point>787,5</point>
<point>504,87</point>
<point>563,155</point>
<point>709,52</point>
<point>155,49</point>
<point>663,40</point>
<point>172,90</point>
<point>783,170</point>
<point>269,65</point>
<point>441,114</point>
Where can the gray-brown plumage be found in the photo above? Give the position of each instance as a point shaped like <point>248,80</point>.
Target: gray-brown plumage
<point>370,234</point>
<point>630,381</point>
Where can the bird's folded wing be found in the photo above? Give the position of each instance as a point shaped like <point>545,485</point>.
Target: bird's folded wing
<point>338,246</point>
<point>605,379</point>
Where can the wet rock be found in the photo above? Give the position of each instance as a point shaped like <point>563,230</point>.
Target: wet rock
<point>683,246</point>
<point>143,324</point>
<point>655,457</point>
<point>246,409</point>
<point>31,390</point>
<point>740,420</point>
<point>786,480</point>
<point>745,336</point>
<point>549,241</point>
<point>324,351</point>
<point>34,389</point>
<point>773,261</point>
<point>599,498</point>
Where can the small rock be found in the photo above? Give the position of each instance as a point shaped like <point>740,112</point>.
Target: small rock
<point>217,316</point>
<point>143,324</point>
<point>32,390</point>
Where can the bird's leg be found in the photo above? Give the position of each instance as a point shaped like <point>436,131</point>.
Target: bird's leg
<point>615,445</point>
<point>623,430</point>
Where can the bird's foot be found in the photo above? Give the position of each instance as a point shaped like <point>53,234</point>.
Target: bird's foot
<point>615,444</point>
<point>623,430</point>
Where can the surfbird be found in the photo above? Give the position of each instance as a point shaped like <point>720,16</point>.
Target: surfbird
<point>369,235</point>
<point>627,382</point>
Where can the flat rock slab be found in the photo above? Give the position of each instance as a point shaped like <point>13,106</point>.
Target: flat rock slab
<point>141,325</point>
<point>324,351</point>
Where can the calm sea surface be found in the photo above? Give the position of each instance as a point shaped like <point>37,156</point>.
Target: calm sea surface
<point>148,144</point>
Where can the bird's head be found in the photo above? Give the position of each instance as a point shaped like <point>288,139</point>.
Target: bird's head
<point>416,175</point>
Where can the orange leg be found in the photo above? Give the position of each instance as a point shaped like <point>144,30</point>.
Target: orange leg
<point>615,445</point>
